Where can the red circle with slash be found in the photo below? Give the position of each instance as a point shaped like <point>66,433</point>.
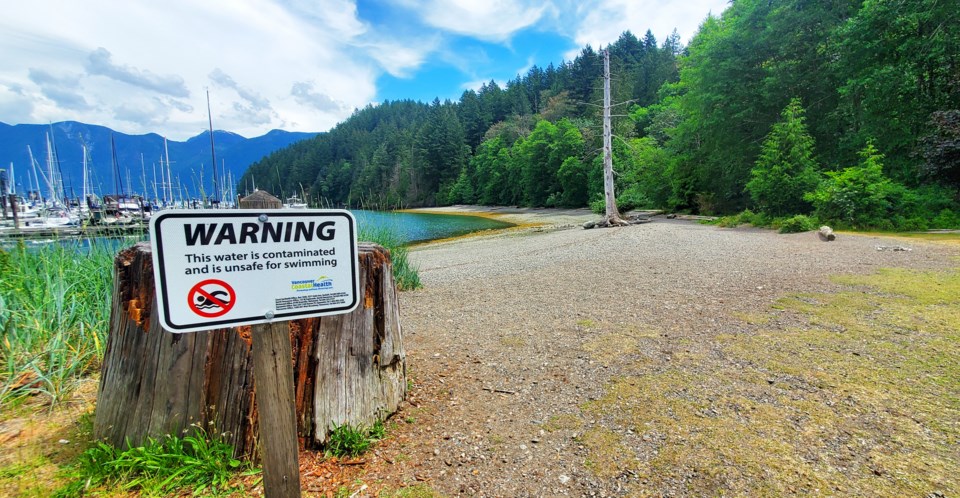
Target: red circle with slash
<point>211,298</point>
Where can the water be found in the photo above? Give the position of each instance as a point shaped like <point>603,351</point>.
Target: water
<point>420,227</point>
<point>409,228</point>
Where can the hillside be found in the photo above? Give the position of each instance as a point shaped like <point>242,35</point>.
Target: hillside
<point>189,160</point>
<point>847,111</point>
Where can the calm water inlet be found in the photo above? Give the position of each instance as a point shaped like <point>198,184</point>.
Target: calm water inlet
<point>420,227</point>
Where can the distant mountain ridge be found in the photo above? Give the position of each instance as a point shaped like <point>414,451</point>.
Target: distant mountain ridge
<point>189,160</point>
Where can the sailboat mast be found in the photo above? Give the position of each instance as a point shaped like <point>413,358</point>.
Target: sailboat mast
<point>116,168</point>
<point>143,176</point>
<point>213,151</point>
<point>52,179</point>
<point>84,148</point>
<point>36,179</point>
<point>169,182</point>
<point>156,197</point>
<point>57,176</point>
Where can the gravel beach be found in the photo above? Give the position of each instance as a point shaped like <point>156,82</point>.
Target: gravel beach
<point>516,332</point>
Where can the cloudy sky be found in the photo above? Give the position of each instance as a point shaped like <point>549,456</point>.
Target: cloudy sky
<point>297,65</point>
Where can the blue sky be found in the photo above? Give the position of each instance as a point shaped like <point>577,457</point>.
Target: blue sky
<point>297,65</point>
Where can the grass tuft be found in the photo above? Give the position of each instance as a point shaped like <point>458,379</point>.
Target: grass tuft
<point>404,273</point>
<point>353,441</point>
<point>162,466</point>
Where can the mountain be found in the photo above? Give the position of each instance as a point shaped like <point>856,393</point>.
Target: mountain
<point>189,160</point>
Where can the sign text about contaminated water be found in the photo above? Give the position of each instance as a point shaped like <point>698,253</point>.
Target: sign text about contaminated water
<point>220,268</point>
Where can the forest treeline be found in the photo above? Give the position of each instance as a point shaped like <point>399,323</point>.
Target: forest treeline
<point>845,111</point>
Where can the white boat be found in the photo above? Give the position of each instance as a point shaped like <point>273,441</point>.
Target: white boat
<point>295,202</point>
<point>54,217</point>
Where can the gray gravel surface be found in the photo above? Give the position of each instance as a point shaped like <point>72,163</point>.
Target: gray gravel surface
<point>496,337</point>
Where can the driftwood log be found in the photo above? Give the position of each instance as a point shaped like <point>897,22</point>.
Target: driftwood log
<point>348,369</point>
<point>826,234</point>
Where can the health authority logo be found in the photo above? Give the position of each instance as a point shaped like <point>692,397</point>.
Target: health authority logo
<point>319,284</point>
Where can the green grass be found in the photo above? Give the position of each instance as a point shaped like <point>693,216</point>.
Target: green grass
<point>161,467</point>
<point>417,491</point>
<point>353,441</point>
<point>54,309</point>
<point>857,395</point>
<point>404,273</point>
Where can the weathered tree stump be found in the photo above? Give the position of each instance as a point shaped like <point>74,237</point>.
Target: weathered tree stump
<point>348,369</point>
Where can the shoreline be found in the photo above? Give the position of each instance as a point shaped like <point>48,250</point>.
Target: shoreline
<point>515,215</point>
<point>523,219</point>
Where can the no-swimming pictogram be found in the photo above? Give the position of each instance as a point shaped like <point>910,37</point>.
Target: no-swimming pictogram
<point>211,298</point>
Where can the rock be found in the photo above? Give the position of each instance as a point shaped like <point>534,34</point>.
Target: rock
<point>564,478</point>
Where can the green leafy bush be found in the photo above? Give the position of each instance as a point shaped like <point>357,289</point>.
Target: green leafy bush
<point>598,206</point>
<point>632,198</point>
<point>797,224</point>
<point>747,217</point>
<point>946,219</point>
<point>860,196</point>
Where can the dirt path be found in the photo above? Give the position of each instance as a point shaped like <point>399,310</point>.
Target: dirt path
<point>521,344</point>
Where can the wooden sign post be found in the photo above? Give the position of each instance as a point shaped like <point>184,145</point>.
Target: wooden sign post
<point>273,381</point>
<point>216,268</point>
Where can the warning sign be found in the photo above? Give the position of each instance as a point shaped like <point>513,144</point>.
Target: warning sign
<point>211,298</point>
<point>223,268</point>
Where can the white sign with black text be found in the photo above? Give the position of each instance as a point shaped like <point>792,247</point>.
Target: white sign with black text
<point>224,268</point>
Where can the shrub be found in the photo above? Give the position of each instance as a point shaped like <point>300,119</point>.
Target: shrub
<point>946,219</point>
<point>631,199</point>
<point>599,206</point>
<point>860,196</point>
<point>797,224</point>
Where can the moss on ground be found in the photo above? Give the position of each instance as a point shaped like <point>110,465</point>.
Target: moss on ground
<point>861,398</point>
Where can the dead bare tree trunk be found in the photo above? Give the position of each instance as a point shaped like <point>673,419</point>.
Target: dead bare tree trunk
<point>612,216</point>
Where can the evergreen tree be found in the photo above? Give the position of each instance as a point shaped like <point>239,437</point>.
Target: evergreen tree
<point>786,169</point>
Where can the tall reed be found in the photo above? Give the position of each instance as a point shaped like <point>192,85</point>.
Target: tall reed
<point>405,274</point>
<point>54,308</point>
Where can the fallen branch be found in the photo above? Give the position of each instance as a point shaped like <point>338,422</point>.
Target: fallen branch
<point>502,391</point>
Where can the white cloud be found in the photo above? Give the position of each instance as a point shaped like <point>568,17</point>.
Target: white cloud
<point>14,107</point>
<point>139,65</point>
<point>600,22</point>
<point>400,58</point>
<point>493,20</point>
<point>100,63</point>
<point>304,93</point>
<point>64,91</point>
